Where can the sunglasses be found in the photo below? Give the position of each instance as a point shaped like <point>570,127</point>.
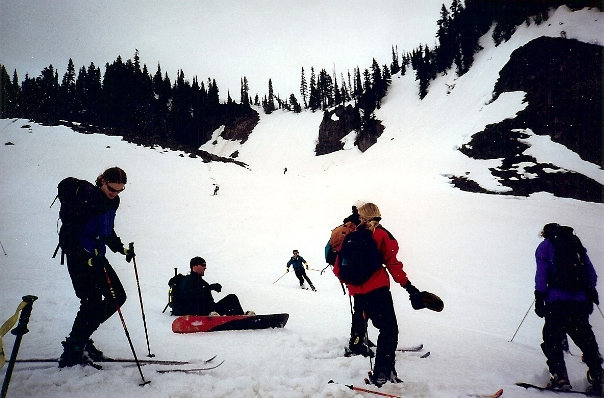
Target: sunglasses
<point>111,189</point>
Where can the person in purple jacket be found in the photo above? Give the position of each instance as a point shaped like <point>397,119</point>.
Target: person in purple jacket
<point>566,300</point>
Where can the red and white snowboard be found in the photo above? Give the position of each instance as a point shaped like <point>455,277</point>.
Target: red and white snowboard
<point>199,323</point>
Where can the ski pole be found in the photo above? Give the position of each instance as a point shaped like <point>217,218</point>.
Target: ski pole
<point>19,331</point>
<point>140,297</point>
<point>521,322</point>
<point>119,311</point>
<point>599,309</point>
<point>280,277</point>
<point>355,388</point>
<point>2,247</point>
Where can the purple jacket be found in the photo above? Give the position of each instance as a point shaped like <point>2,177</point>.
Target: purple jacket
<point>97,231</point>
<point>544,255</point>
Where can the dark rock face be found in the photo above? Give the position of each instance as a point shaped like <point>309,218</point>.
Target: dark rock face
<point>563,84</point>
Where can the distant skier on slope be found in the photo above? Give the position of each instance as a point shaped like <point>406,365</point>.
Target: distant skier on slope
<point>298,263</point>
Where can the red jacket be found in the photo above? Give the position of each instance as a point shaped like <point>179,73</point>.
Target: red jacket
<point>388,246</point>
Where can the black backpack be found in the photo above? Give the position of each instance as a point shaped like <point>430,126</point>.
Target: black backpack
<point>569,271</point>
<point>173,291</point>
<point>75,196</point>
<point>359,257</point>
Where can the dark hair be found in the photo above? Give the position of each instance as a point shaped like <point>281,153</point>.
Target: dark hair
<point>197,261</point>
<point>113,175</point>
<point>550,230</point>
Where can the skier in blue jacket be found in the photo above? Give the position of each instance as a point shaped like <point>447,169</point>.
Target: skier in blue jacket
<point>566,305</point>
<point>298,263</point>
<point>89,269</point>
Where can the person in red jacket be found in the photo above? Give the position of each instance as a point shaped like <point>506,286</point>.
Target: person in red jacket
<point>373,296</point>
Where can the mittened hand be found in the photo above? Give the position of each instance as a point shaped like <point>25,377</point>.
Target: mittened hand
<point>217,287</point>
<point>414,296</point>
<point>129,252</point>
<point>540,306</point>
<point>592,295</point>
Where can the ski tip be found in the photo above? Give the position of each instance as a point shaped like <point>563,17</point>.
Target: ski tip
<point>498,393</point>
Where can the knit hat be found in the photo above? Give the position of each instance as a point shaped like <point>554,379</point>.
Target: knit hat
<point>197,261</point>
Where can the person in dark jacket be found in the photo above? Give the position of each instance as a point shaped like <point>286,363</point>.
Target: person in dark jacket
<point>566,309</point>
<point>374,299</point>
<point>94,280</point>
<point>298,263</point>
<point>194,295</point>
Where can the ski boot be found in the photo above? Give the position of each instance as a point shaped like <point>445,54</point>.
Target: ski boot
<point>94,353</point>
<point>380,378</point>
<point>313,288</point>
<point>359,346</point>
<point>559,383</point>
<point>73,354</point>
<point>595,380</point>
<point>358,349</point>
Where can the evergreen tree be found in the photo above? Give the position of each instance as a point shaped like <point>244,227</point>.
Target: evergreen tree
<point>68,93</point>
<point>337,95</point>
<point>9,94</point>
<point>47,96</point>
<point>245,92</point>
<point>314,100</point>
<point>269,105</point>
<point>395,66</point>
<point>304,89</point>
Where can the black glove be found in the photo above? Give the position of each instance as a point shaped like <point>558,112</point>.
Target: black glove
<point>414,296</point>
<point>129,252</point>
<point>592,295</point>
<point>217,287</point>
<point>540,306</point>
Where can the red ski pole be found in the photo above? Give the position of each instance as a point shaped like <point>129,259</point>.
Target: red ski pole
<point>355,388</point>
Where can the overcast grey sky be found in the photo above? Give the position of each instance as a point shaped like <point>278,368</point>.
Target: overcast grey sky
<point>224,40</point>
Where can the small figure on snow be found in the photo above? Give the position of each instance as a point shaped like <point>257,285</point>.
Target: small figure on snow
<point>84,243</point>
<point>285,170</point>
<point>216,188</point>
<point>193,296</point>
<point>298,263</point>
<point>565,294</point>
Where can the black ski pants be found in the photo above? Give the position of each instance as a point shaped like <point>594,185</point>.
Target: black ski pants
<point>229,305</point>
<point>97,301</point>
<point>301,275</point>
<point>569,318</point>
<point>379,308</point>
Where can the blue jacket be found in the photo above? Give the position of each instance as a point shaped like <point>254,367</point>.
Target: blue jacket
<point>544,256</point>
<point>97,231</point>
<point>296,262</point>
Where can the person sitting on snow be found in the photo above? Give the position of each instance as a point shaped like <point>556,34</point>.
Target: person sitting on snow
<point>194,295</point>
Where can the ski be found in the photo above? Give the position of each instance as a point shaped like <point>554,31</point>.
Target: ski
<point>498,394</point>
<point>120,360</point>
<point>360,389</point>
<point>413,348</point>
<point>189,370</point>
<point>117,360</point>
<point>540,388</point>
